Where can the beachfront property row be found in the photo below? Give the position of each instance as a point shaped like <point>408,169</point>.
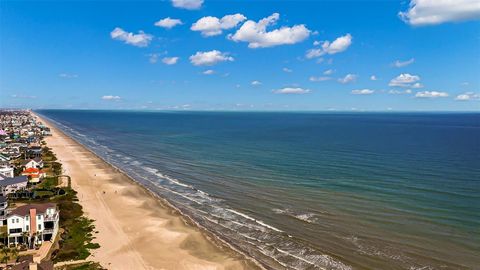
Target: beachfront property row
<point>21,161</point>
<point>21,168</point>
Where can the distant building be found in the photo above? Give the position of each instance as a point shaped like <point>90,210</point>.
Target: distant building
<point>6,171</point>
<point>4,158</point>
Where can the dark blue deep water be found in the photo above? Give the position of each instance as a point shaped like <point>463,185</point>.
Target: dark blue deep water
<point>308,190</point>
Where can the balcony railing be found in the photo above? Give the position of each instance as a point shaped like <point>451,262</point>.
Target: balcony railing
<point>51,217</point>
<point>48,231</point>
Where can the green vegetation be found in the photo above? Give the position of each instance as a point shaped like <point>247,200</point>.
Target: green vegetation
<point>42,194</point>
<point>48,182</point>
<point>7,254</point>
<point>84,266</point>
<point>48,155</point>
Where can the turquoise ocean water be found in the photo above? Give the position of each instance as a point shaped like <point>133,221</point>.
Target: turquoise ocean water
<point>308,190</point>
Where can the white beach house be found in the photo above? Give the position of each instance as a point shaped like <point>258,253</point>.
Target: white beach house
<point>32,224</point>
<point>36,163</point>
<point>11,185</point>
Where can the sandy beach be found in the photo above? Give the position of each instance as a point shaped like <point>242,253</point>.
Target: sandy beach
<point>136,230</point>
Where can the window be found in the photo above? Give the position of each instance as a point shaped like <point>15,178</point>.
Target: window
<point>39,217</point>
<point>17,220</point>
<point>39,227</point>
<point>27,228</point>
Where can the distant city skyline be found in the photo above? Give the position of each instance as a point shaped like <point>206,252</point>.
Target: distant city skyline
<point>241,55</point>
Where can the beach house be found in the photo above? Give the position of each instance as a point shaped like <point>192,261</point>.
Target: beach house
<point>33,152</point>
<point>11,185</point>
<point>33,163</point>
<point>34,175</point>
<point>32,224</point>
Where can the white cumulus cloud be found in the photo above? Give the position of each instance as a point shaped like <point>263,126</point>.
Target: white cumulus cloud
<point>319,79</point>
<point>400,64</point>
<point>208,72</point>
<point>430,12</point>
<point>348,78</point>
<point>110,97</point>
<point>287,70</point>
<point>338,45</point>
<point>257,35</point>
<point>417,85</point>
<point>431,94</point>
<point>363,91</point>
<point>168,23</point>
<point>153,57</point>
<point>405,80</point>
<point>209,58</point>
<point>212,26</point>
<point>373,78</point>
<point>68,76</point>
<point>399,92</point>
<point>256,83</point>
<point>468,96</point>
<point>291,90</point>
<point>170,60</point>
<point>140,40</point>
<point>328,72</point>
<point>187,4</point>
<point>23,96</point>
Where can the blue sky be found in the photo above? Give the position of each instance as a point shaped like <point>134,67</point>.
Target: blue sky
<point>306,55</point>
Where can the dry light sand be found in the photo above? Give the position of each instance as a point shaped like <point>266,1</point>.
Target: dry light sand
<point>135,229</point>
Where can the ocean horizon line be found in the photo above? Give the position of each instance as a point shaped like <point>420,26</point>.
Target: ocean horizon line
<point>262,111</point>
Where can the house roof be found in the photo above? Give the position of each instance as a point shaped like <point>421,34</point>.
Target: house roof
<point>2,199</point>
<point>25,209</point>
<point>37,160</point>
<point>25,258</point>
<point>25,265</point>
<point>45,265</point>
<point>13,180</point>
<point>31,170</point>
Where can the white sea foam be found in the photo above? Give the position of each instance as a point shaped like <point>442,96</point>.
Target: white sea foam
<point>306,217</point>
<point>279,211</point>
<point>136,163</point>
<point>257,221</point>
<point>150,170</point>
<point>318,259</point>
